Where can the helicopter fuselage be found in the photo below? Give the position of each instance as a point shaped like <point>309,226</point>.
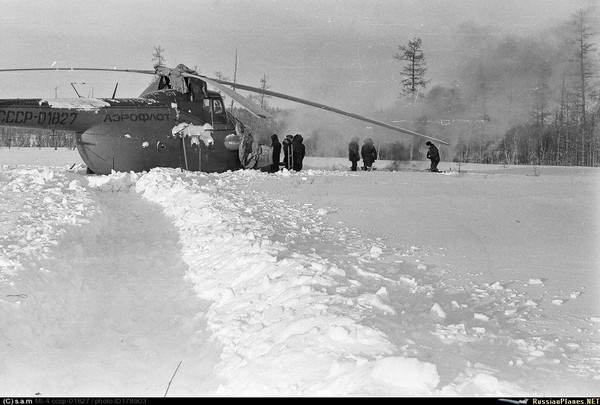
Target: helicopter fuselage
<point>135,134</point>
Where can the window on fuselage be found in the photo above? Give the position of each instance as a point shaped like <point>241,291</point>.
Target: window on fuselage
<point>220,116</point>
<point>211,110</point>
<point>206,108</point>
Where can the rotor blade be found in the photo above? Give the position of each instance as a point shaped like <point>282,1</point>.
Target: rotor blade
<point>148,72</point>
<point>252,107</point>
<point>323,107</point>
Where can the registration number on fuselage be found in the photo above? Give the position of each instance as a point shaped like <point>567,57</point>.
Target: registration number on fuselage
<point>25,117</point>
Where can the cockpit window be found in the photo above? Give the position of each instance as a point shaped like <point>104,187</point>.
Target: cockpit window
<point>219,111</point>
<point>218,106</point>
<point>206,106</point>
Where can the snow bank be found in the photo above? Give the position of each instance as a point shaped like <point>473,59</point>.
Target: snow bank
<point>283,329</point>
<point>39,203</point>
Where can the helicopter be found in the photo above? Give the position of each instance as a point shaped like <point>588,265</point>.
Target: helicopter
<point>176,122</point>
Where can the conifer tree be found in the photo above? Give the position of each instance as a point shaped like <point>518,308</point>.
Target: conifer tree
<point>415,68</point>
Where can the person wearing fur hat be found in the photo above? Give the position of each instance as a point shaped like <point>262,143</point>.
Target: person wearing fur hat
<point>297,152</point>
<point>276,153</point>
<point>369,154</point>
<point>433,154</point>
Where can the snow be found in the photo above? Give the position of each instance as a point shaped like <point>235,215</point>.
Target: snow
<point>320,283</point>
<point>84,104</point>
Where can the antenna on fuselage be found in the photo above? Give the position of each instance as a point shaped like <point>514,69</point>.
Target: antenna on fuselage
<point>73,85</point>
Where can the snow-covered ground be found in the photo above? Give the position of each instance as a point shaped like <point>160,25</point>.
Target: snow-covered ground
<point>480,281</point>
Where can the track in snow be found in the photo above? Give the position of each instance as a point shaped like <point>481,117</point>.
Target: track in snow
<point>110,313</point>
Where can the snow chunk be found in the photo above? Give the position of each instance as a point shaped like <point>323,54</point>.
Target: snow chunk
<point>84,104</point>
<point>372,300</point>
<point>334,270</point>
<point>408,280</point>
<point>408,374</point>
<point>114,182</point>
<point>481,317</point>
<point>436,310</point>
<point>496,286</point>
<point>375,251</point>
<point>482,385</point>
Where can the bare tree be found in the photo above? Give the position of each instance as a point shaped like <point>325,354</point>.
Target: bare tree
<point>263,97</point>
<point>157,57</point>
<point>541,94</point>
<point>584,70</point>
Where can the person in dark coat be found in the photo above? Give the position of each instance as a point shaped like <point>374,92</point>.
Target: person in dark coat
<point>276,153</point>
<point>288,152</point>
<point>353,154</point>
<point>434,155</point>
<point>298,152</point>
<point>368,153</point>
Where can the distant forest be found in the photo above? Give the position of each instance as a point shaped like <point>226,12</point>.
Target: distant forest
<point>13,137</point>
<point>529,100</point>
<point>510,99</point>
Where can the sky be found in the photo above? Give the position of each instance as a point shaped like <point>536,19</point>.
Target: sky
<point>337,52</point>
<point>253,284</point>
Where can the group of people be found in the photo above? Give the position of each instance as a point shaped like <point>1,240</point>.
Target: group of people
<point>293,152</point>
<point>367,152</point>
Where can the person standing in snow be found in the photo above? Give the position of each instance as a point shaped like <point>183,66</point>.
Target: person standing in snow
<point>434,155</point>
<point>276,153</point>
<point>298,152</point>
<point>369,154</point>
<point>353,154</point>
<point>288,152</point>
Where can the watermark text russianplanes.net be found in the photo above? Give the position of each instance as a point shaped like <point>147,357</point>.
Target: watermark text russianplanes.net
<point>565,401</point>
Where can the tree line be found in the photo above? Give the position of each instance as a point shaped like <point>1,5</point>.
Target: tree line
<point>515,101</point>
<point>14,137</point>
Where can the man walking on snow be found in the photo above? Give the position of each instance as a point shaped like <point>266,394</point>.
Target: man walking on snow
<point>434,155</point>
